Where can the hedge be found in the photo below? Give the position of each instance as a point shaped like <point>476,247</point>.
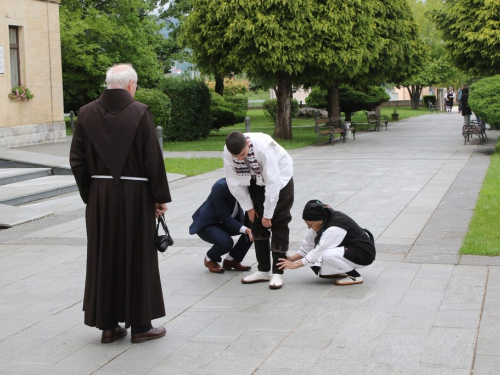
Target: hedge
<point>484,100</point>
<point>191,117</point>
<point>159,105</point>
<point>429,98</point>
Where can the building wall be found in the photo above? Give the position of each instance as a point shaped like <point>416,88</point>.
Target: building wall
<point>40,120</point>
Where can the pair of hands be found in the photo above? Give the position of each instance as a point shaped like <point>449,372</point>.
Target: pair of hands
<point>290,262</point>
<point>266,223</point>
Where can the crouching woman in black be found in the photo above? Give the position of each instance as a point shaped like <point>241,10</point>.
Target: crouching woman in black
<point>335,245</point>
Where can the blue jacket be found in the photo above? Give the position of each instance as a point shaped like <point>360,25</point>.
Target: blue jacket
<point>218,208</point>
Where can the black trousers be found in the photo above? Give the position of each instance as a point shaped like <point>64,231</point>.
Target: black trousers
<point>276,238</point>
<point>221,238</point>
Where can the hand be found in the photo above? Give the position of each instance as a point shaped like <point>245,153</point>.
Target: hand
<point>160,209</point>
<point>284,264</point>
<point>251,215</point>
<point>248,231</point>
<point>266,223</point>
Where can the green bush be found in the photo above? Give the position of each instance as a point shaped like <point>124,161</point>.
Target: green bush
<point>239,104</point>
<point>270,107</point>
<point>484,100</point>
<point>317,98</point>
<point>429,98</point>
<point>191,117</point>
<point>350,99</point>
<point>159,105</point>
<point>222,114</point>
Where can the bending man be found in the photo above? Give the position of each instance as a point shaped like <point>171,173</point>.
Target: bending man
<point>334,247</point>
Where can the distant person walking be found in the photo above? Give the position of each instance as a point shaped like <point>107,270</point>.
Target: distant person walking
<point>466,111</point>
<point>459,99</point>
<point>120,173</point>
<point>449,100</point>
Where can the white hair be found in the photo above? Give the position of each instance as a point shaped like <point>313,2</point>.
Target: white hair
<point>120,75</point>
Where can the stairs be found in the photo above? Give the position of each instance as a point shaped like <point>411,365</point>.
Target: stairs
<point>22,182</point>
<point>23,185</point>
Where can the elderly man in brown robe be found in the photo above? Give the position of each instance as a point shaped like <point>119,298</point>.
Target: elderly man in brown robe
<point>119,170</point>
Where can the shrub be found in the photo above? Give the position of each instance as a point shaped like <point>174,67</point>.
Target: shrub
<point>231,87</point>
<point>159,105</point>
<point>484,100</point>
<point>429,98</point>
<point>239,104</point>
<point>222,114</point>
<point>350,99</point>
<point>270,107</point>
<point>317,98</point>
<point>191,118</point>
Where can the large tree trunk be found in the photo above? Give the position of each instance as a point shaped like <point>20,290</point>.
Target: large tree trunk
<point>333,102</point>
<point>219,84</point>
<point>283,125</point>
<point>414,91</point>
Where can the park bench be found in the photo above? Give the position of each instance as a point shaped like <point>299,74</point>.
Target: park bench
<point>433,107</point>
<point>373,119</point>
<point>474,128</point>
<point>328,127</point>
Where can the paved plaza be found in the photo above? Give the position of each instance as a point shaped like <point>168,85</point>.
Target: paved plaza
<point>423,308</point>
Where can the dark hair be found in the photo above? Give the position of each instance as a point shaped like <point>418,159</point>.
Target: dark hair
<point>465,90</point>
<point>316,210</point>
<point>235,142</point>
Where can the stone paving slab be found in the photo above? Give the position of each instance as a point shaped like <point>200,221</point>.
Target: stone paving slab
<point>422,309</point>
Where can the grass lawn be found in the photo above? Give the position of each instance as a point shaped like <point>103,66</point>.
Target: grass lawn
<point>192,166</point>
<point>483,236</point>
<point>259,95</point>
<point>303,130</point>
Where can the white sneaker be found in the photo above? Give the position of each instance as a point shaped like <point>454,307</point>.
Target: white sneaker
<point>257,277</point>
<point>276,282</point>
<point>349,280</point>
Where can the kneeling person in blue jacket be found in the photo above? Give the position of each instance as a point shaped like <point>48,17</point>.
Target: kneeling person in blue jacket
<point>218,219</point>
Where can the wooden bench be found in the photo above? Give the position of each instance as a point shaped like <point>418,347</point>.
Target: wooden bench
<point>433,107</point>
<point>373,119</point>
<point>328,127</point>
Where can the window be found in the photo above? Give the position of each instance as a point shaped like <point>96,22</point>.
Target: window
<point>15,61</point>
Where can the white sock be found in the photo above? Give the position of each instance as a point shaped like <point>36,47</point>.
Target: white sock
<point>229,257</point>
<point>207,258</point>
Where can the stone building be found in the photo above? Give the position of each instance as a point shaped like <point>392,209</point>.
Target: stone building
<point>30,52</point>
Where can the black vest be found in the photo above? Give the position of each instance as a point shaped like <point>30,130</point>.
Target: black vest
<point>358,242</point>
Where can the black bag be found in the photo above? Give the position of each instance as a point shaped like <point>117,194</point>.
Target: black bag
<point>163,241</point>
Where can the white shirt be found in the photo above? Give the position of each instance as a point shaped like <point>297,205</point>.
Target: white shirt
<point>276,167</point>
<point>332,237</point>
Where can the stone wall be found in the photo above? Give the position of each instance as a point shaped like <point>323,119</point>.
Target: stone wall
<point>26,135</point>
<point>40,120</point>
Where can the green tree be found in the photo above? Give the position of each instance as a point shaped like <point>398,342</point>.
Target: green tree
<point>96,34</point>
<point>279,40</point>
<point>471,31</point>
<point>437,68</point>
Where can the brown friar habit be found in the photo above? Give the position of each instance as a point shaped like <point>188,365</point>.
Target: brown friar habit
<point>115,136</point>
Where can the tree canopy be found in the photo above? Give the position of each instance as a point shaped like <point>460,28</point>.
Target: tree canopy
<point>95,34</point>
<point>471,31</point>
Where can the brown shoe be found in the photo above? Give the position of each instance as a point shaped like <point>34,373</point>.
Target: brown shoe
<point>213,266</point>
<point>110,335</point>
<point>234,264</point>
<point>152,334</point>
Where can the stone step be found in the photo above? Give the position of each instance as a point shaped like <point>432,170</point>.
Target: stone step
<point>11,216</point>
<point>12,175</point>
<point>39,188</point>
